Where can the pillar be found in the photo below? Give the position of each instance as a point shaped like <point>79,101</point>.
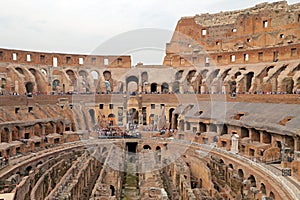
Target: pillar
<point>296,143</point>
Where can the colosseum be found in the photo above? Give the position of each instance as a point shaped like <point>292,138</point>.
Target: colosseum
<point>219,119</point>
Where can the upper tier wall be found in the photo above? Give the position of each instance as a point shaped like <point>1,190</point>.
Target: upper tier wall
<point>269,32</point>
<point>60,59</point>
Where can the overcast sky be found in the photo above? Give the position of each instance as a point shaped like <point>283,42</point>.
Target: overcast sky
<point>81,26</point>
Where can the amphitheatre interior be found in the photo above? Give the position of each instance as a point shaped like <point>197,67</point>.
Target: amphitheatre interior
<point>219,119</point>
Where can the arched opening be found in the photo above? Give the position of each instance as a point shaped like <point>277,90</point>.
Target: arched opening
<point>288,85</point>
<point>244,132</point>
<point>15,133</point>
<point>224,129</point>
<point>171,116</point>
<point>190,75</point>
<point>133,116</point>
<point>232,87</point>
<point>165,88</point>
<point>252,181</point>
<point>249,77</point>
<point>175,124</point>
<point>144,77</point>
<point>39,163</point>
<point>5,135</point>
<point>92,115</point>
<point>158,149</point>
<point>95,76</point>
<point>202,127</point>
<point>147,147</point>
<point>44,72</point>
<point>154,87</point>
<point>111,119</point>
<point>55,83</point>
<point>175,87</point>
<point>178,75</point>
<point>3,83</point>
<point>230,166</point>
<point>267,137</point>
<point>27,170</point>
<point>255,135</point>
<point>263,188</point>
<point>272,195</point>
<point>19,70</point>
<point>29,87</point>
<point>37,130</point>
<point>112,190</point>
<point>71,76</point>
<point>241,173</point>
<point>132,83</point>
<point>104,149</point>
<point>49,128</point>
<point>60,127</point>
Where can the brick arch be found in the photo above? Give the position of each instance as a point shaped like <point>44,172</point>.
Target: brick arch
<point>15,133</point>
<point>37,129</point>
<point>60,127</point>
<point>5,134</point>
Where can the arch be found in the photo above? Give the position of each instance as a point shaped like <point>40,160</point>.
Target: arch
<point>83,74</point>
<point>252,180</point>
<point>32,71</point>
<point>263,188</point>
<point>153,87</point>
<point>95,75</point>
<point>92,115</point>
<point>71,75</point>
<point>241,173</point>
<point>190,75</point>
<point>5,135</point>
<point>15,133</point>
<point>175,124</point>
<point>37,130</point>
<point>27,170</point>
<point>144,77</point>
<point>49,129</point>
<point>146,146</point>
<point>111,119</point>
<point>3,83</point>
<point>230,166</point>
<point>171,110</point>
<point>232,86</point>
<point>39,163</point>
<point>237,74</point>
<point>133,116</point>
<point>244,132</point>
<point>29,87</point>
<point>107,75</point>
<point>288,85</point>
<point>44,72</point>
<point>112,190</point>
<point>224,129</point>
<point>158,149</point>
<point>104,149</point>
<point>18,69</point>
<point>55,83</point>
<point>202,127</point>
<point>248,80</point>
<point>272,195</point>
<point>60,127</point>
<point>175,87</point>
<point>178,75</point>
<point>132,83</point>
<point>165,88</point>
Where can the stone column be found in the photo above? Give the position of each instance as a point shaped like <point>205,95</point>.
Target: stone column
<point>234,143</point>
<point>296,143</point>
<point>54,128</point>
<point>43,129</point>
